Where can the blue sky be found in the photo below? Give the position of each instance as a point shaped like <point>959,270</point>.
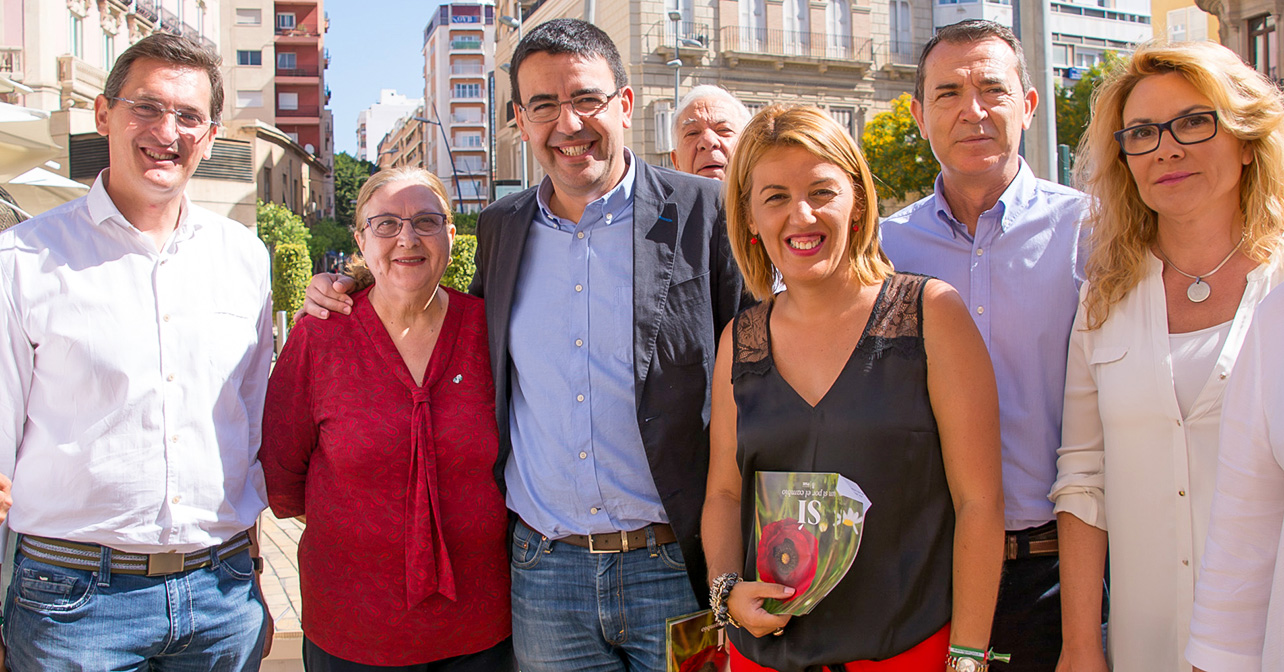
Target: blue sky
<point>374,44</point>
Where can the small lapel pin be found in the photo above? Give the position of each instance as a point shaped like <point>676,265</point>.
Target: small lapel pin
<point>457,378</point>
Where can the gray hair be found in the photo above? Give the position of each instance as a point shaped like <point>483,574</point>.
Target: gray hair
<point>701,93</point>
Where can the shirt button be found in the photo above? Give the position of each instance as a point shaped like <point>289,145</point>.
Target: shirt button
<point>979,251</point>
<point>1186,562</point>
<point>1181,492</point>
<point>579,397</point>
<point>580,234</point>
<point>176,499</point>
<point>609,216</point>
<point>164,261</point>
<point>980,310</point>
<point>173,439</point>
<point>593,510</point>
<point>1179,423</point>
<point>579,343</point>
<point>583,455</point>
<point>1221,376</point>
<point>170,377</point>
<point>579,288</point>
<point>166,318</point>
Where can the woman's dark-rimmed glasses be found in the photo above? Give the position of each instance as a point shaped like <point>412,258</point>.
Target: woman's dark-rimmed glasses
<point>1188,129</point>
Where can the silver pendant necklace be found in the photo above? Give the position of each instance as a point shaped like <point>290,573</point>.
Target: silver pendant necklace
<point>1199,290</point>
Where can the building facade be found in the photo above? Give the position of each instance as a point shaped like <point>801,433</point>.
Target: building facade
<point>1250,28</point>
<point>459,55</point>
<point>274,60</point>
<point>849,57</point>
<point>403,144</point>
<point>374,122</point>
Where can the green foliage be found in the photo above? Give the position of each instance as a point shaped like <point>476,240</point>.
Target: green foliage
<point>349,174</point>
<point>459,274</point>
<point>329,235</point>
<point>277,225</point>
<point>466,223</point>
<point>1074,104</point>
<point>291,271</point>
<point>900,158</point>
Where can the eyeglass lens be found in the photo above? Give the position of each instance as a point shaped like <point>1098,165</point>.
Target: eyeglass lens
<point>585,106</point>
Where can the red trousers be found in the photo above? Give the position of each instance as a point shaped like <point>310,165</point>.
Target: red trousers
<point>926,656</point>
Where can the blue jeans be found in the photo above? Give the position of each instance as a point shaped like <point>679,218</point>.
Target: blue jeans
<point>575,610</point>
<point>203,620</point>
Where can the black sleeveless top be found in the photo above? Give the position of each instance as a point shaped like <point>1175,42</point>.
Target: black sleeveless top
<point>874,426</point>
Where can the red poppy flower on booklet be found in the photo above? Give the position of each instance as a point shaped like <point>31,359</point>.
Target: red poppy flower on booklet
<point>787,555</point>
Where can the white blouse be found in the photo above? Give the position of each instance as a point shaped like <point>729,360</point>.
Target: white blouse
<point>1239,601</point>
<point>1124,434</point>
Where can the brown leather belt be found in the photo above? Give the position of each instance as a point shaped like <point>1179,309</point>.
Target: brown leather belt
<point>88,557</point>
<point>1035,542</point>
<point>621,542</point>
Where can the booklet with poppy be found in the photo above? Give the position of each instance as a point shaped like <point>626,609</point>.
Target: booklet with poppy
<point>695,643</point>
<point>806,532</point>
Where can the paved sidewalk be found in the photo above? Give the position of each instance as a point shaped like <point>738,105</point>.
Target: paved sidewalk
<point>279,546</point>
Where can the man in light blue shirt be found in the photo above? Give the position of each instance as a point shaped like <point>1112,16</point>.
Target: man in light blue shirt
<point>1011,244</point>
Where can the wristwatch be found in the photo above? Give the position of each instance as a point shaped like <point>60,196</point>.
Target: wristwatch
<point>962,664</point>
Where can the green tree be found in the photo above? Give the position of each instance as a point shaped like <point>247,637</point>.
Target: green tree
<point>349,174</point>
<point>276,225</point>
<point>1074,104</point>
<point>466,223</point>
<point>900,158</point>
<point>329,235</point>
<point>291,271</point>
<point>459,274</point>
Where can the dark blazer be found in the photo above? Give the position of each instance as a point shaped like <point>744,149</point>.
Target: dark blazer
<point>686,287</point>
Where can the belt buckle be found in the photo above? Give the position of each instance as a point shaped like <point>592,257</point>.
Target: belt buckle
<point>162,564</point>
<point>624,543</point>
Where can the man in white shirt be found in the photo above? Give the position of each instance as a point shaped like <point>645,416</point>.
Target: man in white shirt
<point>131,395</point>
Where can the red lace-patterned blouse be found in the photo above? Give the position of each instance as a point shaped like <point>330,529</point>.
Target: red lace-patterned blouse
<point>403,560</point>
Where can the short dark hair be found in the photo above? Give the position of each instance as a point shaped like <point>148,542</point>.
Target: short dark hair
<point>172,50</point>
<point>968,32</point>
<point>567,36</point>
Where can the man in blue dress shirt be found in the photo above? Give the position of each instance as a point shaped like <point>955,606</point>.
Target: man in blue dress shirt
<point>606,288</point>
<point>1011,244</point>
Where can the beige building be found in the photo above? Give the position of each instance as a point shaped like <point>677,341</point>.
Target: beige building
<point>1251,29</point>
<point>836,54</point>
<point>459,54</point>
<point>274,61</point>
<point>403,144</point>
<point>1182,21</point>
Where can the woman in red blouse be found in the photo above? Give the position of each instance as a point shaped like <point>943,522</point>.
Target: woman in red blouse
<point>380,427</point>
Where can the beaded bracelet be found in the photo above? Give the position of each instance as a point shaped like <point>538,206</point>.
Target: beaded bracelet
<point>979,655</point>
<point>719,591</point>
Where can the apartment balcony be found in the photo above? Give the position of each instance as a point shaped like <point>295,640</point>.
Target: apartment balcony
<point>464,44</point>
<point>467,95</point>
<point>300,34</point>
<point>146,10</point>
<point>467,70</point>
<point>298,73</point>
<point>79,82</point>
<point>692,37</point>
<point>467,144</point>
<point>468,166</point>
<point>122,5</point>
<point>11,61</point>
<point>457,120</point>
<point>899,59</point>
<point>778,48</point>
<point>298,114</point>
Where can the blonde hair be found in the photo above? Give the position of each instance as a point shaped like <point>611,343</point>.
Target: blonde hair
<point>1123,228</point>
<point>813,130</point>
<point>357,267</point>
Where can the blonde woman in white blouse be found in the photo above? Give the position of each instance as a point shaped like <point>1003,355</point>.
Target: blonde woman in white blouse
<point>1185,160</point>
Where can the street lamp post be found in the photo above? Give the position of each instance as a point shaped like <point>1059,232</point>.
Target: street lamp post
<point>676,63</point>
<point>459,192</point>
<point>516,24</point>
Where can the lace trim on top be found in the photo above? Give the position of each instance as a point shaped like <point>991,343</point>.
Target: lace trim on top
<point>895,325</point>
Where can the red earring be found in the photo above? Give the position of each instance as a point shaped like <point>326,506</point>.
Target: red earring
<point>855,226</point>
<point>753,240</point>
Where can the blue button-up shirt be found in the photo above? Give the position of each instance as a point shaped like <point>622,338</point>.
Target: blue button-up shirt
<point>578,465</point>
<point>1019,276</point>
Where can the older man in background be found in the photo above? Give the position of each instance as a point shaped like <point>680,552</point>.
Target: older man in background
<point>705,131</point>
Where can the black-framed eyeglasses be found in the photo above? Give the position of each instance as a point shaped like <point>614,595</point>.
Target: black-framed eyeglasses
<point>149,112</point>
<point>1188,129</point>
<point>586,105</point>
<point>389,226</point>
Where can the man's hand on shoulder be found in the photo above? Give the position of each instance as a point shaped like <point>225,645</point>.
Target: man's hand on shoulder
<point>327,292</point>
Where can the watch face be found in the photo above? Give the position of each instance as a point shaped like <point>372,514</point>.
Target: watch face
<point>967,665</point>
